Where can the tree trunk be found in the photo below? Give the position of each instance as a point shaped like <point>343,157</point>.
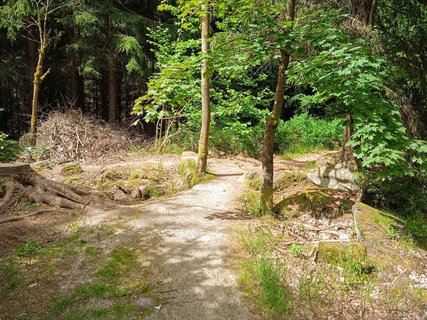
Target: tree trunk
<point>112,91</point>
<point>365,10</point>
<point>347,152</point>
<point>271,126</point>
<point>38,79</point>
<point>205,89</point>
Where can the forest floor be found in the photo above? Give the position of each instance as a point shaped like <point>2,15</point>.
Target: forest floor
<point>172,253</point>
<point>183,255</point>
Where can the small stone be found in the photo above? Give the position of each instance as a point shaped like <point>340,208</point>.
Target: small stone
<point>144,303</point>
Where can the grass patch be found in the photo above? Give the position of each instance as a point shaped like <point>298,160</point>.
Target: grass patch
<point>251,203</point>
<point>264,280</point>
<point>120,259</point>
<point>71,170</point>
<point>10,277</point>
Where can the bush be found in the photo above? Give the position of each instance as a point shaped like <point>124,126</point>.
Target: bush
<point>238,138</point>
<point>305,133</point>
<point>9,149</point>
<point>406,196</point>
<point>300,134</point>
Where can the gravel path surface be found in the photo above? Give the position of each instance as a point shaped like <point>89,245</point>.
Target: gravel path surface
<point>191,249</point>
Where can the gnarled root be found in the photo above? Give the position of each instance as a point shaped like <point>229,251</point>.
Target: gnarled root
<point>41,190</point>
<point>5,201</point>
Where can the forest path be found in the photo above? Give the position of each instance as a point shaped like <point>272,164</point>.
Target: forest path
<point>192,237</point>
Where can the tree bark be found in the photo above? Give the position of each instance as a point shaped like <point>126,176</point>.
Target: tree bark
<point>271,126</point>
<point>346,152</point>
<point>205,90</point>
<point>364,10</point>
<point>39,76</point>
<point>38,79</point>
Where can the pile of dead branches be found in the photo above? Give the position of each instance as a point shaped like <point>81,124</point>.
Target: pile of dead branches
<point>72,136</point>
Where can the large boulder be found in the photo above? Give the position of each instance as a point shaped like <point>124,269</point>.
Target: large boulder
<point>340,176</point>
<point>373,224</point>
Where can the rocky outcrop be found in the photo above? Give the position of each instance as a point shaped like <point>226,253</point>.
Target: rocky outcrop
<point>340,176</point>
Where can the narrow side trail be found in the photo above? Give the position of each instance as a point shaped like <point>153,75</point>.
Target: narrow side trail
<point>190,251</point>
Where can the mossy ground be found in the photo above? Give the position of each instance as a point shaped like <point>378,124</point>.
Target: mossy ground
<point>86,273</point>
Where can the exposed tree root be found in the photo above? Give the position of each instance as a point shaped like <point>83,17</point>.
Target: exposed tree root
<point>17,218</point>
<point>10,189</point>
<point>38,189</point>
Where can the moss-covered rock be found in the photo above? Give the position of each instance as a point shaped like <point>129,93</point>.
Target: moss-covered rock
<point>187,171</point>
<point>372,224</point>
<point>71,169</point>
<point>288,179</point>
<point>319,202</point>
<point>333,252</point>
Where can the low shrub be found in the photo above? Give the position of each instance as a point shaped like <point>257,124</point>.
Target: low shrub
<point>9,149</point>
<point>305,133</point>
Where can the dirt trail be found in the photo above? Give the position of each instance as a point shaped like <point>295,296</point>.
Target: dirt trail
<point>191,246</point>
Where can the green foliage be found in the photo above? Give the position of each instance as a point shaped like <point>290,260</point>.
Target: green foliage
<point>12,278</point>
<point>9,149</point>
<point>305,133</point>
<point>402,31</point>
<point>120,259</point>
<point>29,249</point>
<point>406,196</point>
<point>349,78</point>
<point>71,169</point>
<point>296,249</point>
<point>272,295</point>
<point>237,101</point>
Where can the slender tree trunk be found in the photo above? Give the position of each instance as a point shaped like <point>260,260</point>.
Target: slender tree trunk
<point>347,152</point>
<point>271,126</point>
<point>38,79</point>
<point>205,89</point>
<point>112,91</point>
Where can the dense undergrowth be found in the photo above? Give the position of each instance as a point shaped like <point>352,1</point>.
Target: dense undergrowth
<point>405,196</point>
<point>302,133</point>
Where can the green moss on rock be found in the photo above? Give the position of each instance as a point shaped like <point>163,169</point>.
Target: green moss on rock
<point>288,179</point>
<point>334,252</point>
